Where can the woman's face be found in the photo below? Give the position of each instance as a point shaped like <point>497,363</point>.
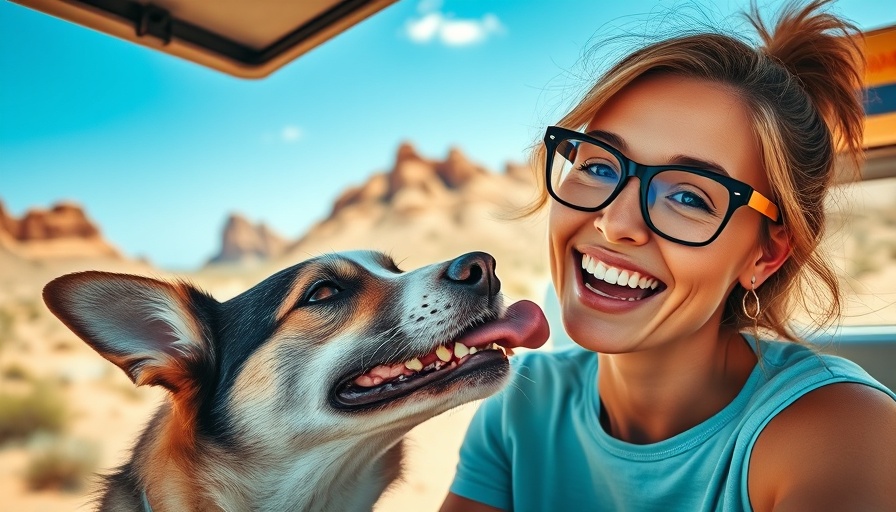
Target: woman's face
<point>662,119</point>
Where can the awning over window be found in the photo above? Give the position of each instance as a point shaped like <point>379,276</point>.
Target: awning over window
<point>246,38</point>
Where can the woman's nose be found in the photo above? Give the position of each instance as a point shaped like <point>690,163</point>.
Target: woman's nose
<point>621,221</point>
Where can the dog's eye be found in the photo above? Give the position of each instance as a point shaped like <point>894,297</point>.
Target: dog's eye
<point>322,290</point>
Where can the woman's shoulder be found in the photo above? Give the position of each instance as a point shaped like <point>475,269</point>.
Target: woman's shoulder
<point>829,430</point>
<point>789,364</point>
<point>787,372</point>
<point>834,442</point>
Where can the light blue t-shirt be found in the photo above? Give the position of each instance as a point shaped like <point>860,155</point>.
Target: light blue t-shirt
<point>538,445</point>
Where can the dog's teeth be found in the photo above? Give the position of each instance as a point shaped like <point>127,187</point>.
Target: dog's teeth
<point>443,353</point>
<point>460,350</point>
<point>473,350</point>
<point>414,364</point>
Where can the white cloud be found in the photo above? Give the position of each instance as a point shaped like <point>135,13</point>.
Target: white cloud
<point>290,133</point>
<point>452,31</point>
<point>425,28</point>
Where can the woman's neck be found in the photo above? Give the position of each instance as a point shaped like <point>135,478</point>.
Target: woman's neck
<point>656,394</point>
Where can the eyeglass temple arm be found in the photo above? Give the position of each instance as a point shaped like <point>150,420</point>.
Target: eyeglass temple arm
<point>762,205</point>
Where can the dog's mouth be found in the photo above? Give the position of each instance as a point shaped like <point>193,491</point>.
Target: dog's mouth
<point>482,346</point>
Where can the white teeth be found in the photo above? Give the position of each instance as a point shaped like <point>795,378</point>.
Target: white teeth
<point>622,280</point>
<point>414,364</point>
<point>460,350</point>
<point>443,353</point>
<point>473,350</point>
<point>612,275</point>
<point>617,276</point>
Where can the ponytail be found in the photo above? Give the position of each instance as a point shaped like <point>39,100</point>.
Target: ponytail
<point>824,54</point>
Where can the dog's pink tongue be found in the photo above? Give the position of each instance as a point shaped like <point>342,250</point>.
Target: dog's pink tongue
<point>523,325</point>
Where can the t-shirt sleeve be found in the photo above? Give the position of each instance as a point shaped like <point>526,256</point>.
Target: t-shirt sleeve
<point>483,472</point>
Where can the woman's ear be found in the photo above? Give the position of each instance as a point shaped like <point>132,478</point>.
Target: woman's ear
<point>769,258</point>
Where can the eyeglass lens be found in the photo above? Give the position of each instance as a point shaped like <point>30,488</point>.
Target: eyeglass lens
<point>680,204</point>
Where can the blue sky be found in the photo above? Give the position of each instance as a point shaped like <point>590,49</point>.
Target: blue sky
<point>160,150</point>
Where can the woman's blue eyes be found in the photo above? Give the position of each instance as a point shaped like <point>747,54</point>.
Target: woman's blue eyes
<point>607,172</point>
<point>600,170</point>
<point>690,199</point>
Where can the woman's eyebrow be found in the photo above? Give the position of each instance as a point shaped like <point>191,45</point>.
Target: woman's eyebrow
<point>619,143</point>
<point>697,162</point>
<point>610,138</point>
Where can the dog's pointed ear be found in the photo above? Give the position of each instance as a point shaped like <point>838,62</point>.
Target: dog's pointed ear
<point>157,332</point>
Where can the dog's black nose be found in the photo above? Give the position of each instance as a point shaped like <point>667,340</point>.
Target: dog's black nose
<point>475,270</point>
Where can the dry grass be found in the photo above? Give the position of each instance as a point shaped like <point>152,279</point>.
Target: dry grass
<point>42,409</point>
<point>60,463</point>
<point>15,372</point>
<point>6,325</point>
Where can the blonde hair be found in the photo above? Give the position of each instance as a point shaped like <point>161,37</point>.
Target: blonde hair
<point>802,87</point>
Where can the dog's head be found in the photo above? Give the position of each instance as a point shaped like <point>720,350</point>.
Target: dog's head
<point>344,344</point>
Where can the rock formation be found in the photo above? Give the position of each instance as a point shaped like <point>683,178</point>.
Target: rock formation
<point>423,210</point>
<point>62,231</point>
<point>244,242</point>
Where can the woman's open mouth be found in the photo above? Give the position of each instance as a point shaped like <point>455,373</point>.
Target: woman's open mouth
<point>482,346</point>
<point>616,283</point>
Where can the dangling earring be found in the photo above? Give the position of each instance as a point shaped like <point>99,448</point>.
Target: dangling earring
<point>755,314</point>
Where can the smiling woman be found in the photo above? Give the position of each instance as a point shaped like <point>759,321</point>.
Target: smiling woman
<point>686,215</point>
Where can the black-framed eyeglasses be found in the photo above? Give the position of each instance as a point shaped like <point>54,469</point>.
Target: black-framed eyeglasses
<point>684,204</point>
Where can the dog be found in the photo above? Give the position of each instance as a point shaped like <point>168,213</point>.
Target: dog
<point>295,394</point>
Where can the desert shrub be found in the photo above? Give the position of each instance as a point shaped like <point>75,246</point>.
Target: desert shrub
<point>40,410</point>
<point>33,309</point>
<point>60,463</point>
<point>63,345</point>
<point>6,321</point>
<point>16,372</point>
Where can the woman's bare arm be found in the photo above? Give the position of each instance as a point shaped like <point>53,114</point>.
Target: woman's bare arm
<point>454,503</point>
<point>833,449</point>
